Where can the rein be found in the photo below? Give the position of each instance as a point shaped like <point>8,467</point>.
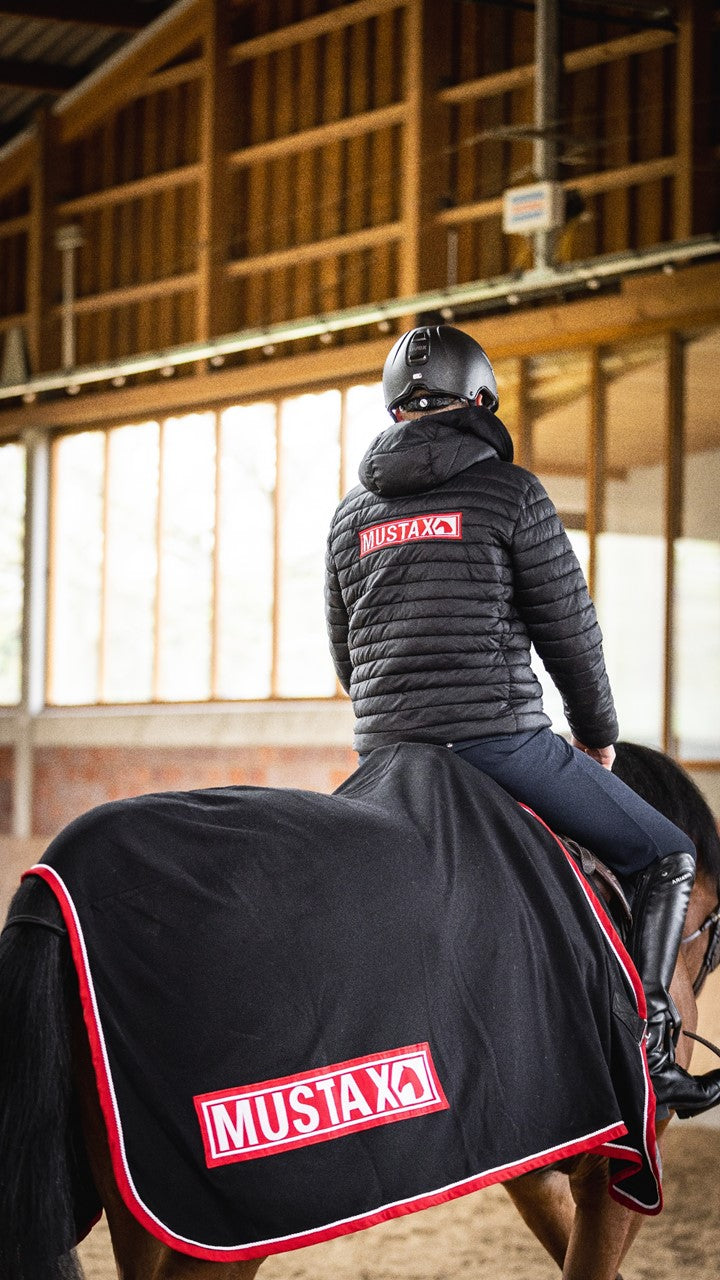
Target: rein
<point>711,959</point>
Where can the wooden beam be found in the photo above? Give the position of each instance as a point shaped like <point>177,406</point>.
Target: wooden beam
<point>423,253</point>
<point>42,344</point>
<point>252,213</point>
<point>124,76</point>
<point>648,305</point>
<point>598,55</point>
<point>475,212</point>
<point>693,192</point>
<point>315,250</point>
<point>488,86</point>
<point>333,166</point>
<point>16,161</point>
<point>181,73</point>
<point>14,226</point>
<point>213,195</point>
<point>166,287</point>
<point>578,60</point>
<point>136,190</point>
<point>329,367</point>
<point>19,320</point>
<point>123,15</point>
<point>631,175</point>
<point>365,122</point>
<point>311,28</point>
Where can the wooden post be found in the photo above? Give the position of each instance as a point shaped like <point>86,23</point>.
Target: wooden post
<point>692,212</point>
<point>674,439</point>
<point>596,465</point>
<point>33,690</point>
<point>423,245</point>
<point>43,345</point>
<point>525,450</point>
<point>213,222</point>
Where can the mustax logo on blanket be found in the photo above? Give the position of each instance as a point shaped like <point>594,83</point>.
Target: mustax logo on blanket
<point>315,1106</point>
<point>447,524</point>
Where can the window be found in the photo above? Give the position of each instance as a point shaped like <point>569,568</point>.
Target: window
<point>309,487</point>
<point>188,555</point>
<point>77,568</point>
<point>12,515</point>
<point>186,536</point>
<point>245,600</point>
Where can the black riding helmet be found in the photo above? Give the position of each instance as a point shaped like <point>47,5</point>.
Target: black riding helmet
<point>442,361</point>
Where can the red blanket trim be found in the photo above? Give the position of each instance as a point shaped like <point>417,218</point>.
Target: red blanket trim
<point>626,964</point>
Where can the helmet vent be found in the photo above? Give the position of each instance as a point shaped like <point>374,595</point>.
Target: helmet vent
<point>418,348</point>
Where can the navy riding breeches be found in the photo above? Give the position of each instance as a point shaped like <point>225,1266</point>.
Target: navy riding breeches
<point>577,797</point>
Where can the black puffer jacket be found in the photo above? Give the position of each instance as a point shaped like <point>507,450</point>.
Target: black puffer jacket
<point>442,567</point>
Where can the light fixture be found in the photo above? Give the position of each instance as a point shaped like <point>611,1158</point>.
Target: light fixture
<point>384,326</point>
<point>593,283</point>
<point>447,313</point>
<point>73,389</point>
<point>167,371</point>
<point>513,299</point>
<point>119,380</point>
<point>669,268</point>
<point>268,349</point>
<point>30,397</point>
<point>326,338</point>
<point>217,360</point>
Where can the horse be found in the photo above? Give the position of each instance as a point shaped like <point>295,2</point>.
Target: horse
<point>53,1138</point>
<point>566,1206</point>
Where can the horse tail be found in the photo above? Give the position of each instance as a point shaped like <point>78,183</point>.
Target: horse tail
<point>38,1134</point>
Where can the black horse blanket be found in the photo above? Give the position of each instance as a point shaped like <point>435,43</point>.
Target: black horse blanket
<point>311,1013</point>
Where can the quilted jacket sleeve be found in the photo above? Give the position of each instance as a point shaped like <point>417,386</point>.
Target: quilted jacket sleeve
<point>336,619</point>
<point>553,601</point>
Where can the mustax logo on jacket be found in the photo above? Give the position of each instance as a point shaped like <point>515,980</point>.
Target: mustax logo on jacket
<point>446,524</point>
<point>315,1106</point>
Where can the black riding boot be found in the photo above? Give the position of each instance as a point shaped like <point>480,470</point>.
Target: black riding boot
<point>661,900</point>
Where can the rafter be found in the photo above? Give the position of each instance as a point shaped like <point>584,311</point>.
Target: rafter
<point>123,15</point>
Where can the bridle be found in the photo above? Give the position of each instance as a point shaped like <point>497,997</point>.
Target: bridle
<point>711,959</point>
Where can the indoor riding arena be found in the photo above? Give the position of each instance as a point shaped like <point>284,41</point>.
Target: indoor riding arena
<point>216,219</point>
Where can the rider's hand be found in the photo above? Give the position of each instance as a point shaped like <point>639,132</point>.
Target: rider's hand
<point>603,755</point>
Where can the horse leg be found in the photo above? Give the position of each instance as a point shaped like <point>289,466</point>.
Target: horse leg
<point>570,1213</point>
<point>138,1255</point>
<point>602,1229</point>
<point>546,1206</point>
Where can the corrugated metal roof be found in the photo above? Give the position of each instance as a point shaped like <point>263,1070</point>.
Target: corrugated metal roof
<point>57,53</point>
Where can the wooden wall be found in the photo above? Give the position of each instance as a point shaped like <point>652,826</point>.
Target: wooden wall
<point>252,163</point>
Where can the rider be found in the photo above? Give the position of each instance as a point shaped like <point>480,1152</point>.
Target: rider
<point>443,566</point>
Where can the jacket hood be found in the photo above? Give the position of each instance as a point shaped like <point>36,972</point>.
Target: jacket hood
<point>411,457</point>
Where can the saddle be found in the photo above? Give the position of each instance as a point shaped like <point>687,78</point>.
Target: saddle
<point>605,884</point>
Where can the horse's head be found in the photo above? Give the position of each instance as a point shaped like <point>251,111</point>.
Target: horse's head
<point>669,789</point>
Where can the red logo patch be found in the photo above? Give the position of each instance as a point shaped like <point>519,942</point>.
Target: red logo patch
<point>446,524</point>
<point>315,1106</point>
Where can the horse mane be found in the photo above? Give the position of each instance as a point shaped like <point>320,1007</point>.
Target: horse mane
<point>670,790</point>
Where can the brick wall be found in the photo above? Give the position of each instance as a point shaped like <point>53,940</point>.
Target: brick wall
<point>71,780</point>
